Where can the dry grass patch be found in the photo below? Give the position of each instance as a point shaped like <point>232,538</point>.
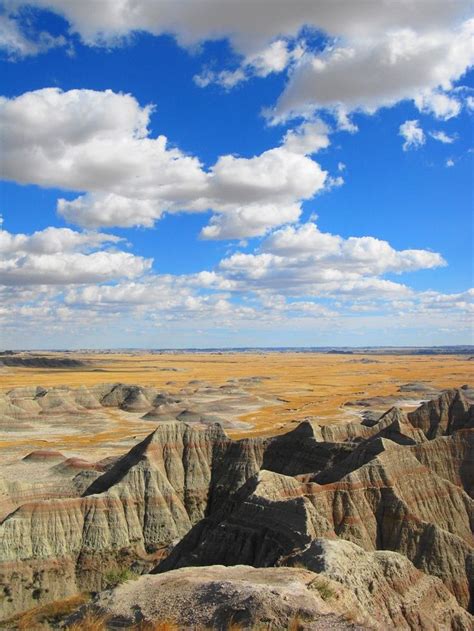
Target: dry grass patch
<point>323,587</point>
<point>295,624</point>
<point>51,612</point>
<point>117,577</point>
<point>91,622</point>
<point>164,625</point>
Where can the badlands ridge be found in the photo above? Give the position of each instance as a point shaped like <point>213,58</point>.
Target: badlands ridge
<point>366,525</point>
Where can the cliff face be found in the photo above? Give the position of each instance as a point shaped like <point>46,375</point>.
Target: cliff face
<point>390,503</point>
<point>444,415</point>
<point>401,485</point>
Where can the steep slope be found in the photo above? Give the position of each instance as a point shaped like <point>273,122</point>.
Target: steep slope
<point>451,457</point>
<point>392,502</point>
<point>386,585</point>
<point>187,496</point>
<point>444,415</point>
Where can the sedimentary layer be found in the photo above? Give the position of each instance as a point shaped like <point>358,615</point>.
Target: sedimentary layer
<point>392,499</point>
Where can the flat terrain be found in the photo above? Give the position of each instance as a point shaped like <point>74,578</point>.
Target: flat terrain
<point>284,388</point>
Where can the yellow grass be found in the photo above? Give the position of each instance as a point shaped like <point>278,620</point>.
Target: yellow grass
<point>90,622</point>
<point>307,384</point>
<point>31,619</point>
<point>158,626</point>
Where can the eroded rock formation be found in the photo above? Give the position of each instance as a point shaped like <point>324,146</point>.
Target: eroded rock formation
<point>217,597</point>
<point>384,510</point>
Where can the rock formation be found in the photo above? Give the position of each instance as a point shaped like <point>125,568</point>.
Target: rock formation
<point>384,511</point>
<point>201,404</point>
<point>217,597</point>
<point>40,361</point>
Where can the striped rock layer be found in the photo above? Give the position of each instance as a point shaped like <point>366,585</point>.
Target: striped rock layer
<point>386,511</point>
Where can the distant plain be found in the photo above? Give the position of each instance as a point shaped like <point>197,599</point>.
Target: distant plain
<point>292,386</point>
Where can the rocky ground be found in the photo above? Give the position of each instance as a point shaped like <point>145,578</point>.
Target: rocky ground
<point>366,524</point>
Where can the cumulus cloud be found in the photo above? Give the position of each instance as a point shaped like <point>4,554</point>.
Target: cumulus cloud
<point>250,26</point>
<point>84,140</point>
<point>413,134</point>
<point>52,241</point>
<point>308,138</point>
<point>375,54</point>
<point>303,259</point>
<point>60,256</point>
<point>436,301</point>
<point>250,221</point>
<point>108,209</point>
<point>62,278</point>
<point>380,71</point>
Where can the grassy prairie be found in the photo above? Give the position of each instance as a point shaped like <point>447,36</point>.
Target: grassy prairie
<point>306,384</point>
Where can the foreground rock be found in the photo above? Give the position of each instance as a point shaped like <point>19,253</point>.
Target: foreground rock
<point>217,597</point>
<point>386,585</point>
<point>348,589</point>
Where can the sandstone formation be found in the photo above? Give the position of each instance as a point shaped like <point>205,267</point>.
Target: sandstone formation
<point>385,511</point>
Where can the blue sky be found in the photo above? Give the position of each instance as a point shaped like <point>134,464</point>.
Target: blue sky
<point>314,187</point>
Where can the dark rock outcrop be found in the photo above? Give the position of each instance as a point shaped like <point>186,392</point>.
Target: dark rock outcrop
<point>38,361</point>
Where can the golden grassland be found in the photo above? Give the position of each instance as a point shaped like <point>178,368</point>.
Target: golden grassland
<point>306,384</point>
<point>300,385</point>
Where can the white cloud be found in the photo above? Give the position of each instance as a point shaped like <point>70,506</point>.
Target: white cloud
<point>60,256</point>
<point>160,299</point>
<point>274,58</point>
<point>308,138</point>
<point>88,140</point>
<point>59,280</point>
<point>109,209</point>
<point>303,260</point>
<point>435,301</point>
<point>305,239</point>
<point>413,134</point>
<point>376,53</point>
<point>441,105</point>
<point>255,194</point>
<point>52,241</point>
<point>98,142</point>
<point>250,26</point>
<point>278,174</point>
<point>334,182</point>
<point>225,78</point>
<point>449,163</point>
<point>368,73</point>
<point>16,44</point>
<point>250,221</point>
<point>441,136</point>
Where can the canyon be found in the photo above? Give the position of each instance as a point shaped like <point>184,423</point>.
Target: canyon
<point>376,514</point>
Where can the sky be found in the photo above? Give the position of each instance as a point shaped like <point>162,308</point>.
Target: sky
<point>225,174</point>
